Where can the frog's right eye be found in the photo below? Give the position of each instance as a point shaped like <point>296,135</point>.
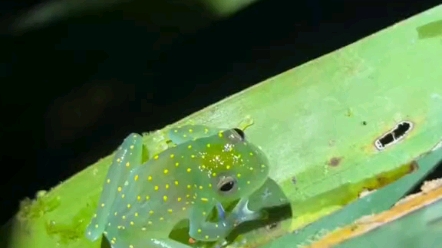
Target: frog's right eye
<point>227,185</point>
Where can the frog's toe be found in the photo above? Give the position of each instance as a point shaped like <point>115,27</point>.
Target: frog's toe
<point>242,213</point>
<point>220,244</point>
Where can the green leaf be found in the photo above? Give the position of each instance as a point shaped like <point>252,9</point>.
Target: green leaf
<point>318,124</point>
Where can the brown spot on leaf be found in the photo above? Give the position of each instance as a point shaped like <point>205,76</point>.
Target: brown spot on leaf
<point>272,226</point>
<point>414,166</point>
<point>335,161</point>
<point>382,181</point>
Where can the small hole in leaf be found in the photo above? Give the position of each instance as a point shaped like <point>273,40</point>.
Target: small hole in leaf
<point>394,135</point>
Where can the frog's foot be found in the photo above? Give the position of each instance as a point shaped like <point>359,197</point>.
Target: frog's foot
<point>241,213</point>
<point>220,244</point>
<point>161,141</point>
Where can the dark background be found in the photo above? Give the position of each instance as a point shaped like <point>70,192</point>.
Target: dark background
<point>73,90</point>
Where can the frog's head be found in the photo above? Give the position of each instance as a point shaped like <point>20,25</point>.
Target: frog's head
<point>235,167</point>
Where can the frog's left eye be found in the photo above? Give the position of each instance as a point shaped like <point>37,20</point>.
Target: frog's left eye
<point>240,133</point>
<point>236,135</point>
<point>227,184</point>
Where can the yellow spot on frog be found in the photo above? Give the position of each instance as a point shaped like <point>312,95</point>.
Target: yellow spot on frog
<point>128,205</point>
<point>206,130</point>
<point>167,186</point>
<point>127,164</point>
<point>136,214</point>
<point>228,167</point>
<point>132,223</point>
<point>200,187</point>
<point>176,182</point>
<point>190,130</point>
<point>177,164</point>
<point>179,199</point>
<point>123,217</point>
<point>169,210</point>
<point>149,178</point>
<point>172,155</point>
<point>199,230</point>
<point>102,205</point>
<point>165,198</point>
<point>208,145</point>
<point>151,212</point>
<point>207,236</point>
<point>132,147</point>
<point>184,208</point>
<point>96,226</point>
<point>166,171</point>
<point>147,197</point>
<point>238,175</point>
<point>156,187</point>
<point>123,195</point>
<point>119,189</point>
<point>204,213</point>
<point>189,170</point>
<point>161,218</point>
<point>108,181</point>
<point>189,186</point>
<point>155,157</point>
<point>220,134</point>
<point>204,199</point>
<point>136,178</point>
<point>213,174</point>
<point>190,146</point>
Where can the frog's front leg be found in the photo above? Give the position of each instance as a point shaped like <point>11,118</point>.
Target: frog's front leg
<point>127,157</point>
<point>241,213</point>
<point>202,230</point>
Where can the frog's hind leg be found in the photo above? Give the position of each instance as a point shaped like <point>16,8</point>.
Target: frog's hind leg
<point>127,157</point>
<point>191,132</point>
<point>150,243</point>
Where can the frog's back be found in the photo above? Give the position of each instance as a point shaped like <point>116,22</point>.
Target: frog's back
<point>156,195</point>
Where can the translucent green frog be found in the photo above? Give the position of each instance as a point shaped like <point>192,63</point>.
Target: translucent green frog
<point>142,201</point>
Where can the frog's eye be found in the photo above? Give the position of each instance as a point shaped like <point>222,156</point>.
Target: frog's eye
<point>227,185</point>
<point>236,135</point>
<point>240,133</point>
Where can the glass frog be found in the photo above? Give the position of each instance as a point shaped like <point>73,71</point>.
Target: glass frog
<point>142,201</point>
